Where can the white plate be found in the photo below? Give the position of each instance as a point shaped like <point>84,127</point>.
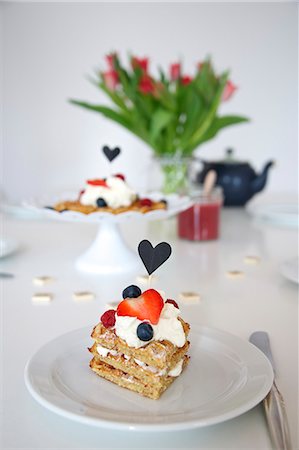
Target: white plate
<point>175,204</point>
<point>290,270</point>
<point>226,377</point>
<point>285,214</point>
<point>7,247</point>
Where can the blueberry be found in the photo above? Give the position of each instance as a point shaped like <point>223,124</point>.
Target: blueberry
<point>101,203</point>
<point>145,331</point>
<point>131,291</point>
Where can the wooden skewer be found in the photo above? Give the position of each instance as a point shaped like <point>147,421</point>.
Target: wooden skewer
<point>149,281</point>
<point>209,182</point>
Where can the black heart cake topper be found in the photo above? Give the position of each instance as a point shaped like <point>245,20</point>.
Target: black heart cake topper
<point>153,257</point>
<point>110,153</point>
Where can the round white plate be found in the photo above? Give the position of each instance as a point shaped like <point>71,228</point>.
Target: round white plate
<point>226,377</point>
<point>290,270</point>
<point>284,214</point>
<point>175,204</point>
<point>7,247</point>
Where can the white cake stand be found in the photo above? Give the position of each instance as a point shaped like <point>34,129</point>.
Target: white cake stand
<point>109,253</point>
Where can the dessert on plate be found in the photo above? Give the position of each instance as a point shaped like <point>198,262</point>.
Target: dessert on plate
<point>142,345</point>
<point>111,194</point>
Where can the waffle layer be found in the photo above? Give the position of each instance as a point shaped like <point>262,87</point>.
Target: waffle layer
<point>87,209</point>
<point>125,380</point>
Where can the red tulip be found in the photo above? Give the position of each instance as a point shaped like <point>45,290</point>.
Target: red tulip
<point>140,63</point>
<point>175,71</point>
<point>110,60</point>
<point>228,90</point>
<point>110,79</point>
<point>146,84</point>
<point>186,80</point>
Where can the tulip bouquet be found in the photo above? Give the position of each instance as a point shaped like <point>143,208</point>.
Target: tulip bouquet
<point>173,113</point>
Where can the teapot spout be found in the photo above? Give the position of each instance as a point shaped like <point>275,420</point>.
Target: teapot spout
<point>259,182</point>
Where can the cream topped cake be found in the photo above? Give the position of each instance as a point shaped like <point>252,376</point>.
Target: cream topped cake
<point>142,345</point>
<point>111,194</point>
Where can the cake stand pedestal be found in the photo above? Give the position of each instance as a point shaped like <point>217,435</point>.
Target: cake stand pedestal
<point>108,253</point>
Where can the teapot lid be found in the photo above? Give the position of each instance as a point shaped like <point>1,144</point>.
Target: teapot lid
<point>229,157</point>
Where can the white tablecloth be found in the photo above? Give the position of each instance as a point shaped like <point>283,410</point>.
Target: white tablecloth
<point>262,300</point>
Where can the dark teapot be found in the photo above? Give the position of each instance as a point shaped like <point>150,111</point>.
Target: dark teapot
<point>237,179</point>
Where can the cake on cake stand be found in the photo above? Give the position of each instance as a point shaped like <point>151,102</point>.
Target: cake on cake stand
<point>109,253</point>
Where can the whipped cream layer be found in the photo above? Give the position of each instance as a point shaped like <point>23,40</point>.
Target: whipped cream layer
<point>168,328</point>
<point>175,372</point>
<point>116,194</point>
<point>103,351</point>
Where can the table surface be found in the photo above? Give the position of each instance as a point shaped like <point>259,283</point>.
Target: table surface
<point>261,300</point>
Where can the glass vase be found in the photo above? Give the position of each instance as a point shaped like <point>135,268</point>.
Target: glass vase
<point>174,171</point>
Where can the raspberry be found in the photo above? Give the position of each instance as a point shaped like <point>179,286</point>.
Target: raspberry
<point>145,202</point>
<point>121,176</point>
<point>108,318</point>
<point>174,303</point>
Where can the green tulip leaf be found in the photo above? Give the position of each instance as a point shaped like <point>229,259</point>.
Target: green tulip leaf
<point>160,119</point>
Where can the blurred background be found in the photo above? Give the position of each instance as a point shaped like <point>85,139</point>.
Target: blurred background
<point>48,49</point>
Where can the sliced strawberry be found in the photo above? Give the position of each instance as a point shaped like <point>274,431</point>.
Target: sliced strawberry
<point>146,307</point>
<point>97,182</point>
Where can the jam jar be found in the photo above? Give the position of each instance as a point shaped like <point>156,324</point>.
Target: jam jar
<point>201,221</point>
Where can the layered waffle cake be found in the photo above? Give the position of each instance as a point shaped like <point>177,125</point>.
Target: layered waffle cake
<point>142,345</point>
<point>111,195</point>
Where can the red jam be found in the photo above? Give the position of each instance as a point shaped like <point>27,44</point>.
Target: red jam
<point>201,221</point>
